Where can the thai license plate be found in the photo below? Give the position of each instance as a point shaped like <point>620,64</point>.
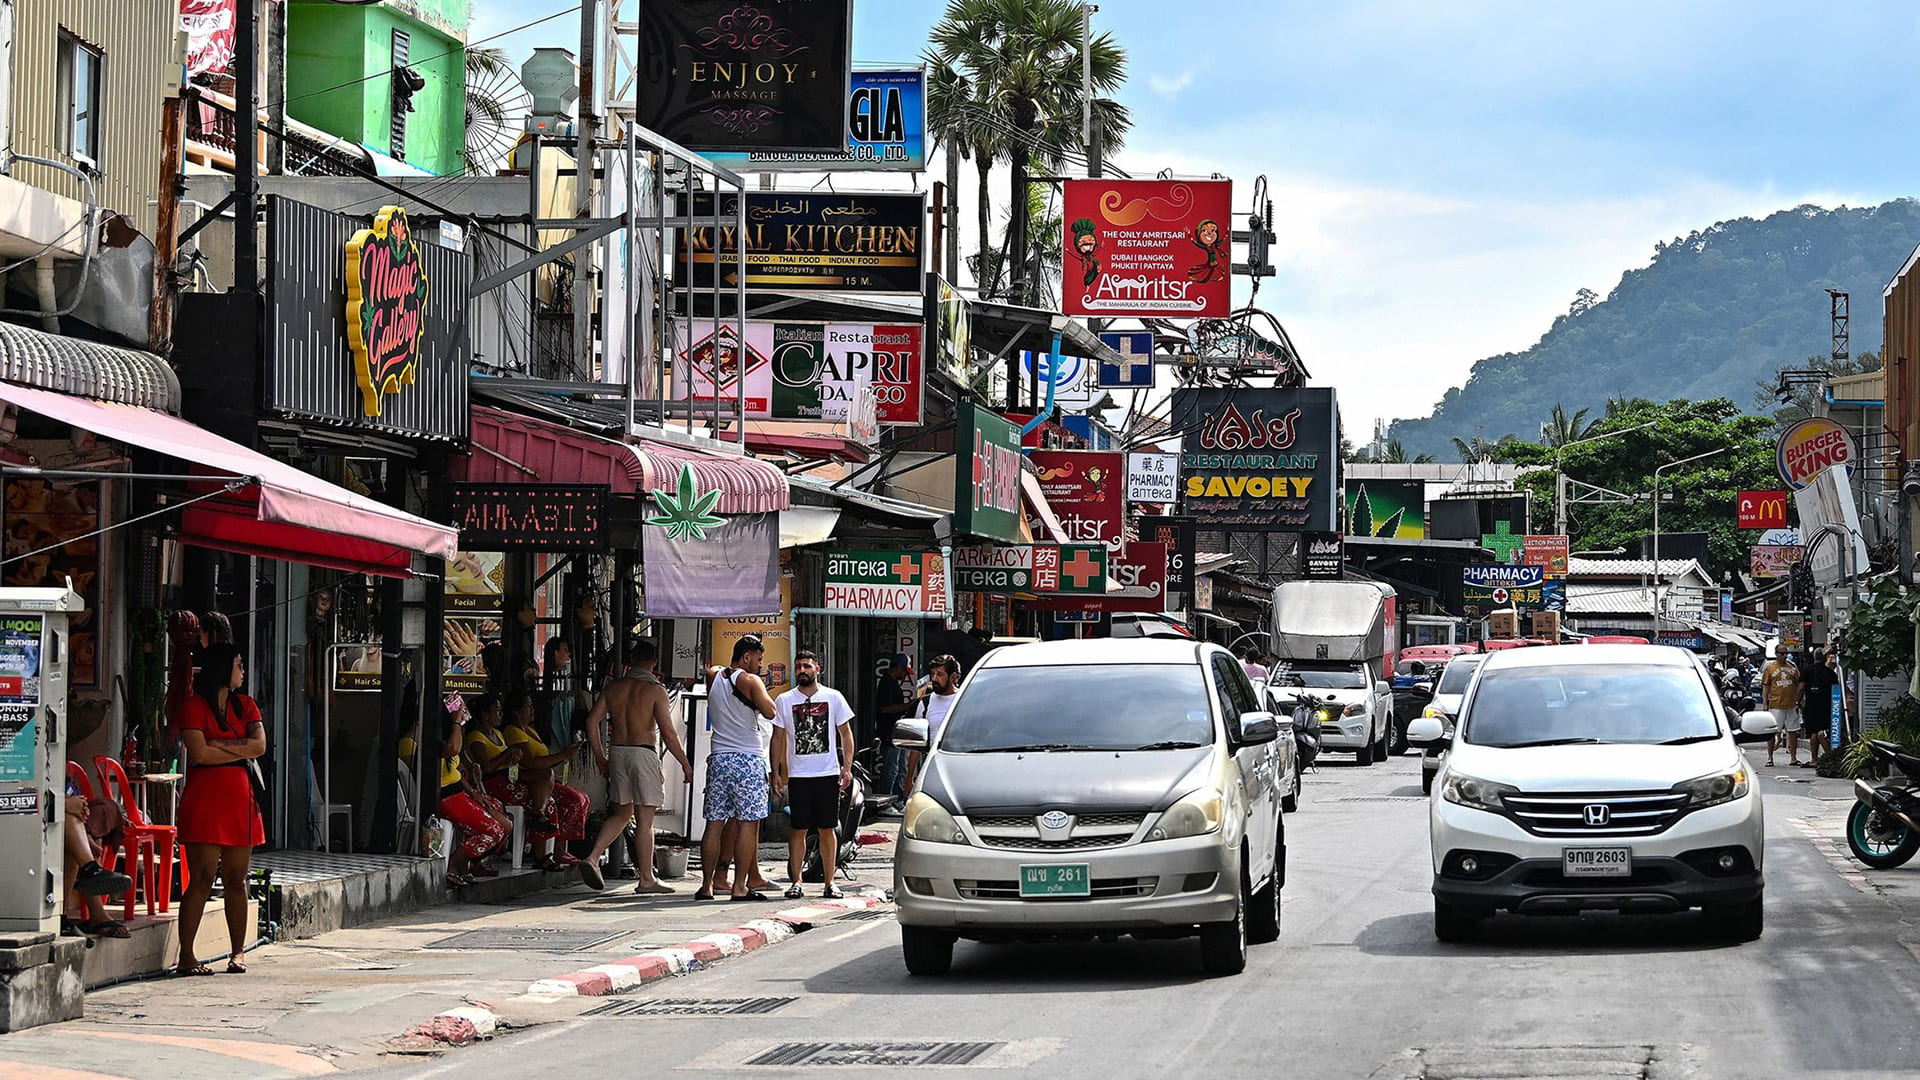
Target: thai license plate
<point>1038,882</point>
<point>1596,861</point>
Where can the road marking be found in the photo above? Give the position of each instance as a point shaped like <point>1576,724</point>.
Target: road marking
<point>21,1070</point>
<point>859,928</point>
<point>293,1059</point>
<point>1641,1061</point>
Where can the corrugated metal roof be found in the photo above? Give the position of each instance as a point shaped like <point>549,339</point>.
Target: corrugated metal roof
<point>87,369</point>
<point>1669,568</point>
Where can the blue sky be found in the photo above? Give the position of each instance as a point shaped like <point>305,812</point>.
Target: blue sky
<point>1446,175</point>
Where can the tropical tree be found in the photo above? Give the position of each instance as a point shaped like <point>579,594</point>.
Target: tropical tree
<point>1023,58</point>
<point>1479,449</point>
<point>967,119</point>
<point>1561,429</point>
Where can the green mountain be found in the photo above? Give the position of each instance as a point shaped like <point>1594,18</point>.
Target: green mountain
<point>1714,313</point>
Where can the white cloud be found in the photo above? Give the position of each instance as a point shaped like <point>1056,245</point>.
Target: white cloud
<point>1170,85</point>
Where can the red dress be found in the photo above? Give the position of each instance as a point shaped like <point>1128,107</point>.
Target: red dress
<point>217,806</point>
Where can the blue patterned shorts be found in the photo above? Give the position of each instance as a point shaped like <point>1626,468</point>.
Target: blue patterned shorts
<point>736,787</point>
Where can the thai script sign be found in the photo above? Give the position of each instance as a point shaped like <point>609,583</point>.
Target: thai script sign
<point>1260,459</point>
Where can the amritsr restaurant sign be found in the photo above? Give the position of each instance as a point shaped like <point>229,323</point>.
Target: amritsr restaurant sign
<point>530,517</point>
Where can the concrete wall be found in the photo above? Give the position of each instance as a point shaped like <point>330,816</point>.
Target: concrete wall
<point>338,60</point>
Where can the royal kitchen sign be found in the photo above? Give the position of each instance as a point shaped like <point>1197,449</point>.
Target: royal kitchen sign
<point>1150,248</point>
<point>986,495</point>
<point>1260,459</point>
<point>1031,568</point>
<point>386,298</point>
<point>1085,490</point>
<point>804,241</point>
<point>891,583</point>
<point>804,371</point>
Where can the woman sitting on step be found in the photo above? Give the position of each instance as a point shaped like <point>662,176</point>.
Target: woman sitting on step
<point>537,786</point>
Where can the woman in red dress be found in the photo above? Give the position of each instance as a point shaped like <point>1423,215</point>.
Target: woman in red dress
<point>219,821</point>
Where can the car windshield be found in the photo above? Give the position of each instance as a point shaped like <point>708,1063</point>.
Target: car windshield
<point>1455,679</point>
<point>1089,707</point>
<point>1606,703</point>
<point>1345,679</point>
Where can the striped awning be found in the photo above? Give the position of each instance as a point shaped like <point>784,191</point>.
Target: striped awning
<point>746,485</point>
<point>87,369</point>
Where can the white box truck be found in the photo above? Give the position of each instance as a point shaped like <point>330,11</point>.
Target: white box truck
<point>1336,641</point>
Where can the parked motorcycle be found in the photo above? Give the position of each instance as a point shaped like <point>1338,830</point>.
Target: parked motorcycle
<point>1734,694</point>
<point>846,830</point>
<point>1308,712</point>
<point>1884,827</point>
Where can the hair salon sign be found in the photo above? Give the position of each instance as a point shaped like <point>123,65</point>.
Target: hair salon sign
<point>386,299</point>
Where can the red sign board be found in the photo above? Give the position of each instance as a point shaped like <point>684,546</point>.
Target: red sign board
<point>1148,247</point>
<point>1763,509</point>
<point>1547,551</point>
<point>1137,581</point>
<point>1087,490</point>
<point>209,27</point>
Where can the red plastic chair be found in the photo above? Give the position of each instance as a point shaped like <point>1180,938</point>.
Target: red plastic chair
<point>149,847</point>
<point>79,777</point>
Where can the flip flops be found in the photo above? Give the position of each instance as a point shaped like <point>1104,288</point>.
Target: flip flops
<point>108,929</point>
<point>832,892</point>
<point>796,892</point>
<point>751,897</point>
<point>192,972</point>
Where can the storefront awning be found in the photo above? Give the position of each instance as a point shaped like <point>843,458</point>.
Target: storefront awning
<point>511,449</point>
<point>282,513</point>
<point>87,368</point>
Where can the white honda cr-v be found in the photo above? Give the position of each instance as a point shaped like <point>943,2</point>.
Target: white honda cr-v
<point>1594,776</point>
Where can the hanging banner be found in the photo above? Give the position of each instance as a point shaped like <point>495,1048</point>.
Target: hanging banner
<point>1152,248</point>
<point>1084,489</point>
<point>1153,478</point>
<point>1394,509</point>
<point>1323,556</point>
<point>890,582</point>
<point>1810,447</point>
<point>715,571</point>
<point>810,242</point>
<point>774,631</point>
<point>1775,560</point>
<point>1547,552</point>
<point>1180,536</point>
<point>986,497</point>
<point>1138,582</point>
<point>1260,459</point>
<point>728,75</point>
<point>1762,509</point>
<point>946,314</point>
<point>210,27</point>
<point>804,371</point>
<point>886,131</point>
<point>1031,568</point>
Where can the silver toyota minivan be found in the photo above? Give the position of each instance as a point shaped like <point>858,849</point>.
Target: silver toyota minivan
<point>1095,788</point>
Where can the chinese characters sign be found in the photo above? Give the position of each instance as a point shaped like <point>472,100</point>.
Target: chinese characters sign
<point>898,583</point>
<point>1148,248</point>
<point>1035,568</point>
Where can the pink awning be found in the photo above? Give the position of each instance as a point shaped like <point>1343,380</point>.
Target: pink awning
<point>282,514</point>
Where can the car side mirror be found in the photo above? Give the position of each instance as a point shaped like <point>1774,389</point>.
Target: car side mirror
<point>1757,726</point>
<point>1256,728</point>
<point>1382,686</point>
<point>1426,733</point>
<point>910,734</point>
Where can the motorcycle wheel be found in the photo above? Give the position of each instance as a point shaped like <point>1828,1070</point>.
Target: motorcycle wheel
<point>1875,842</point>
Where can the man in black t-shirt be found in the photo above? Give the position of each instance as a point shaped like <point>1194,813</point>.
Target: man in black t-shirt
<point>892,700</point>
<point>1817,679</point>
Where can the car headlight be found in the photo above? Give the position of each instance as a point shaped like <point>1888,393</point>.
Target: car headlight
<point>1196,814</point>
<point>925,819</point>
<point>1323,716</point>
<point>1477,793</point>
<point>1715,789</point>
<point>1358,708</point>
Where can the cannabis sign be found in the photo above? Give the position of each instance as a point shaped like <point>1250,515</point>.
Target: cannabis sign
<point>386,299</point>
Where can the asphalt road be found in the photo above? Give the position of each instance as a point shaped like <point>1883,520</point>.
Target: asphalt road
<point>1356,987</point>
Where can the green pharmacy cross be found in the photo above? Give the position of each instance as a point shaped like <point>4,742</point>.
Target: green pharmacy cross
<point>1506,547</point>
<point>689,514</point>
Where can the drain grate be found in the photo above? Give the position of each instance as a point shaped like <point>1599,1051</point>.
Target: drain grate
<point>692,1007</point>
<point>1381,798</point>
<point>1639,1062</point>
<point>892,1054</point>
<point>871,914</point>
<point>529,938</point>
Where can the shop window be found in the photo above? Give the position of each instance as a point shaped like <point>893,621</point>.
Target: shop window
<point>81,71</point>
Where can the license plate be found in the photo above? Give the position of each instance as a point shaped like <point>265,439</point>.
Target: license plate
<point>1596,861</point>
<point>1044,881</point>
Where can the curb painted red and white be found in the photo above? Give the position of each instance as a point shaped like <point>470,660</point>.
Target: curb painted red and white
<point>455,1027</point>
<point>655,964</point>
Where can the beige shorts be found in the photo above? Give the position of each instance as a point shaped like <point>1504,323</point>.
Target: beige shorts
<point>634,776</point>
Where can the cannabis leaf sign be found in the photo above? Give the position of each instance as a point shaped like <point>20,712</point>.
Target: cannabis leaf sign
<point>689,514</point>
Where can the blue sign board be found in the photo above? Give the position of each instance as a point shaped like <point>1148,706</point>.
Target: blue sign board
<point>1503,577</point>
<point>886,131</point>
<point>1098,437</point>
<point>1072,375</point>
<point>1555,594</point>
<point>1839,713</point>
<point>1135,369</point>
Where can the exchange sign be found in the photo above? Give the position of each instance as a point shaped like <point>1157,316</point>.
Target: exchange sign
<point>1034,568</point>
<point>1153,248</point>
<point>908,584</point>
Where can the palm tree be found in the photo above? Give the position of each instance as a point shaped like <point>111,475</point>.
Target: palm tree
<point>1479,449</point>
<point>964,116</point>
<point>1394,452</point>
<point>1025,57</point>
<point>1561,429</point>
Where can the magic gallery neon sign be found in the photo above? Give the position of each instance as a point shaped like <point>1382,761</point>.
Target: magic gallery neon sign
<point>386,301</point>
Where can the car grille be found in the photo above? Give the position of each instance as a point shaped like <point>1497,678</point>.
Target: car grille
<point>1554,879</point>
<point>1090,832</point>
<point>1642,813</point>
<point>1100,889</point>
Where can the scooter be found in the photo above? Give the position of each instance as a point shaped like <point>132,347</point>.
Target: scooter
<point>1307,712</point>
<point>846,830</point>
<point>1734,694</point>
<point>1884,827</point>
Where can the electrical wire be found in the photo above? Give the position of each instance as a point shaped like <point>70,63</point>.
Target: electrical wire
<point>416,61</point>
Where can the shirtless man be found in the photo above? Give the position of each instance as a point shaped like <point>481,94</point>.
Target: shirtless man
<point>637,704</point>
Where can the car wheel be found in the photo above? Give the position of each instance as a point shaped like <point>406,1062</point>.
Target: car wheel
<point>1263,908</point>
<point>1452,925</point>
<point>1223,945</point>
<point>1291,800</point>
<point>1364,755</point>
<point>1399,744</point>
<point>927,951</point>
<point>1742,922</point>
<point>1380,748</point>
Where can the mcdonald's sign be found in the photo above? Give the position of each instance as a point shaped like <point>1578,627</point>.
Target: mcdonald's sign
<point>1763,509</point>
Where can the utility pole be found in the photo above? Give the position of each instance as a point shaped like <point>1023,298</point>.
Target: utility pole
<point>276,87</point>
<point>953,208</point>
<point>583,188</point>
<point>1088,132</point>
<point>246,64</point>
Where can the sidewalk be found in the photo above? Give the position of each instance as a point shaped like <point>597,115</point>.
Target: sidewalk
<point>341,1000</point>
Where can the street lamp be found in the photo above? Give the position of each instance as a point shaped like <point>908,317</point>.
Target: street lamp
<point>1560,478</point>
<point>1656,523</point>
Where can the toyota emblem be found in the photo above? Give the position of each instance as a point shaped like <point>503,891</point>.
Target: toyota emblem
<point>1054,820</point>
<point>1597,813</point>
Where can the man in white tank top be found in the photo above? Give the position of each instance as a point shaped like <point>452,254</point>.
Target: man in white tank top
<point>736,793</point>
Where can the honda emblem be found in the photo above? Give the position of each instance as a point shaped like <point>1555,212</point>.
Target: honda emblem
<point>1597,813</point>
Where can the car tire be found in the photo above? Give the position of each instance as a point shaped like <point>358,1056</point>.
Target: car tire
<point>1742,922</point>
<point>1381,748</point>
<point>927,951</point>
<point>1398,745</point>
<point>1223,945</point>
<point>1364,755</point>
<point>1452,925</point>
<point>1291,800</point>
<point>1263,908</point>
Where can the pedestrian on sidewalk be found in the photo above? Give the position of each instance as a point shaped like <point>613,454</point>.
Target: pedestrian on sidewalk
<point>943,687</point>
<point>636,704</point>
<point>1817,680</point>
<point>813,760</point>
<point>737,774</point>
<point>462,802</point>
<point>893,700</point>
<point>1780,690</point>
<point>219,817</point>
<point>730,840</point>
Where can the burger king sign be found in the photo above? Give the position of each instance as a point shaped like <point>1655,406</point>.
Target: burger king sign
<point>1810,447</point>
